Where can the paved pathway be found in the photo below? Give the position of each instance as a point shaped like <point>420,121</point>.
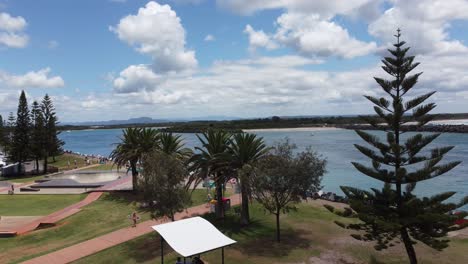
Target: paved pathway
<point>97,244</point>
<point>125,183</point>
<point>4,190</point>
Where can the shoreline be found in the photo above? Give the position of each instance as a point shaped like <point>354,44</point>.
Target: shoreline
<point>293,129</point>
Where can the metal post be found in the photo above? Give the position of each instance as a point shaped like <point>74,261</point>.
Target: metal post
<point>162,250</point>
<point>222,255</point>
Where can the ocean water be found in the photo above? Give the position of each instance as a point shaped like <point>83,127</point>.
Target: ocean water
<point>334,145</point>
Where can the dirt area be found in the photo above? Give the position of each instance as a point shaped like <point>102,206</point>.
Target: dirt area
<point>332,257</point>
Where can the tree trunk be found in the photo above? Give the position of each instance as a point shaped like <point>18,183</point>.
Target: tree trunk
<point>219,202</point>
<point>278,226</point>
<point>53,158</point>
<point>245,217</point>
<point>45,164</point>
<point>134,176</point>
<point>37,165</point>
<point>408,246</point>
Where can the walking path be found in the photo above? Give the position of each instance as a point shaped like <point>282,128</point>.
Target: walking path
<point>122,184</point>
<point>17,186</point>
<point>97,244</point>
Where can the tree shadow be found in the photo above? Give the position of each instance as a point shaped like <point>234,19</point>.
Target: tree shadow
<point>147,248</point>
<point>125,198</point>
<point>267,246</point>
<point>259,238</point>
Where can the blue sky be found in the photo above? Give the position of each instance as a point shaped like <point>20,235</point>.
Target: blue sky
<point>116,59</point>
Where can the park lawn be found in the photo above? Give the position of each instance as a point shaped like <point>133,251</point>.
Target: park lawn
<point>308,236</point>
<point>36,204</point>
<point>22,179</point>
<point>109,166</point>
<point>106,167</point>
<point>61,162</point>
<point>103,216</point>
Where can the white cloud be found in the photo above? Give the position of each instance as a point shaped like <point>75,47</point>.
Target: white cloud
<point>13,40</point>
<point>11,31</point>
<point>310,36</point>
<point>184,2</point>
<point>265,86</point>
<point>8,103</point>
<point>210,37</point>
<point>308,27</point>
<point>425,24</point>
<point>286,85</point>
<point>53,44</point>
<point>136,78</point>
<point>262,86</point>
<point>157,31</point>
<point>11,24</point>
<point>258,39</point>
<point>32,79</point>
<point>325,8</point>
<point>245,84</point>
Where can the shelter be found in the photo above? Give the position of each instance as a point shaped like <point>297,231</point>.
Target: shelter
<point>192,237</point>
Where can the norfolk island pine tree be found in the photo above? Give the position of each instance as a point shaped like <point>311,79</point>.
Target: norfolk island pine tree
<point>393,213</point>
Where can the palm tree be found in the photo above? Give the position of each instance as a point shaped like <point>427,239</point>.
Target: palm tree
<point>245,150</point>
<point>207,162</point>
<point>172,145</point>
<point>135,142</point>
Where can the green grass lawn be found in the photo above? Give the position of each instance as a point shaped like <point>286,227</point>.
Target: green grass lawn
<point>308,234</point>
<point>22,179</point>
<point>103,216</point>
<point>31,205</point>
<point>61,162</point>
<point>107,167</point>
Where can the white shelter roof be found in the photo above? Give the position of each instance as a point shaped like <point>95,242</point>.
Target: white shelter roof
<point>192,236</point>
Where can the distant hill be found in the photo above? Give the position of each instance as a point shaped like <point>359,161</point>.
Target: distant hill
<point>147,120</point>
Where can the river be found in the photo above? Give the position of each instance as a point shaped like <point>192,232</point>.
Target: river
<point>333,144</point>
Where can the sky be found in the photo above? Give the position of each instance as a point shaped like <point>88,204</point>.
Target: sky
<point>118,59</point>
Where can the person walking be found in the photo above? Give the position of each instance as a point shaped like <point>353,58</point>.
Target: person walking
<point>135,218</point>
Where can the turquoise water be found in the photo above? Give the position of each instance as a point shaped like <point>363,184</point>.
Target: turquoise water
<point>334,145</point>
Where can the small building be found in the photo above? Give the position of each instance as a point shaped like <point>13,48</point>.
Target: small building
<point>12,170</point>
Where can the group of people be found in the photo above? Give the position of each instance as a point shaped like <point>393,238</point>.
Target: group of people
<point>89,158</point>
<point>75,163</point>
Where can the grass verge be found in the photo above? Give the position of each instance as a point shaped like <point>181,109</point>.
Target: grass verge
<point>36,204</point>
<point>308,236</point>
<point>103,216</point>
